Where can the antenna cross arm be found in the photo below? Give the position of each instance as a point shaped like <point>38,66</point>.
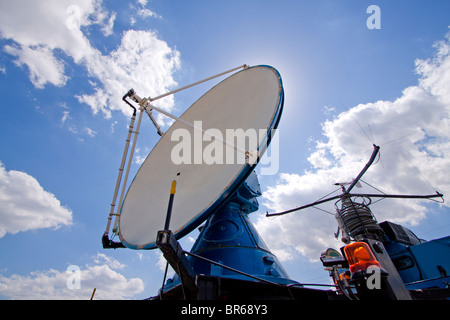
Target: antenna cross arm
<point>392,196</point>
<point>303,207</point>
<point>399,196</point>
<point>346,193</point>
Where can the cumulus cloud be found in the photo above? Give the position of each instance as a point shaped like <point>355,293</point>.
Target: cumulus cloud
<point>56,30</point>
<point>142,61</point>
<point>413,132</point>
<point>42,65</point>
<point>73,283</point>
<point>48,26</point>
<point>25,205</point>
<point>142,11</point>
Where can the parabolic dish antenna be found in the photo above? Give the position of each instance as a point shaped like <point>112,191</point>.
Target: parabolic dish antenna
<point>248,102</point>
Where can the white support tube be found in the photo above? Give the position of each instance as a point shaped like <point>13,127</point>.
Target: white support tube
<point>119,177</point>
<point>155,123</point>
<point>196,83</point>
<point>130,160</point>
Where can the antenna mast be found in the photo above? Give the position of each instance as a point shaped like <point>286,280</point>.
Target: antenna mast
<point>346,192</point>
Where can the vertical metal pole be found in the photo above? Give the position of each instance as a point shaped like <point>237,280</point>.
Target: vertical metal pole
<point>119,177</point>
<point>93,292</point>
<point>169,208</point>
<point>130,160</point>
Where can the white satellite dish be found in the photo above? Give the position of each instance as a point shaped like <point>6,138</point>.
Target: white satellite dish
<point>249,99</point>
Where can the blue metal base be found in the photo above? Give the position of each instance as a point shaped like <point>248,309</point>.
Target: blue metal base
<point>229,238</point>
<point>423,265</point>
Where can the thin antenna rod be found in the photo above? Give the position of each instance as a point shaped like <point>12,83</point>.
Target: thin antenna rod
<point>398,196</point>
<point>376,149</point>
<point>302,207</point>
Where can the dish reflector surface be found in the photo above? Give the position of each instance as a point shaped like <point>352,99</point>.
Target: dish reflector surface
<point>250,99</point>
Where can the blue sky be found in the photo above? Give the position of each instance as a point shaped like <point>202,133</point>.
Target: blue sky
<point>65,66</point>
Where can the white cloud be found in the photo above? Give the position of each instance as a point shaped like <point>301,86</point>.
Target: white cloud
<point>139,158</point>
<point>144,12</point>
<point>43,28</point>
<point>414,134</point>
<point>60,284</point>
<point>42,65</point>
<point>108,27</point>
<point>161,264</point>
<point>25,205</point>
<point>110,262</point>
<point>142,61</point>
<point>142,2</point>
<point>91,133</point>
<point>113,126</point>
<point>65,117</point>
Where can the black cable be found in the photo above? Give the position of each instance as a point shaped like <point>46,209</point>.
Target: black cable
<point>164,281</point>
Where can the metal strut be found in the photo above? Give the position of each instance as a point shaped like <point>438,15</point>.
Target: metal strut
<point>107,243</point>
